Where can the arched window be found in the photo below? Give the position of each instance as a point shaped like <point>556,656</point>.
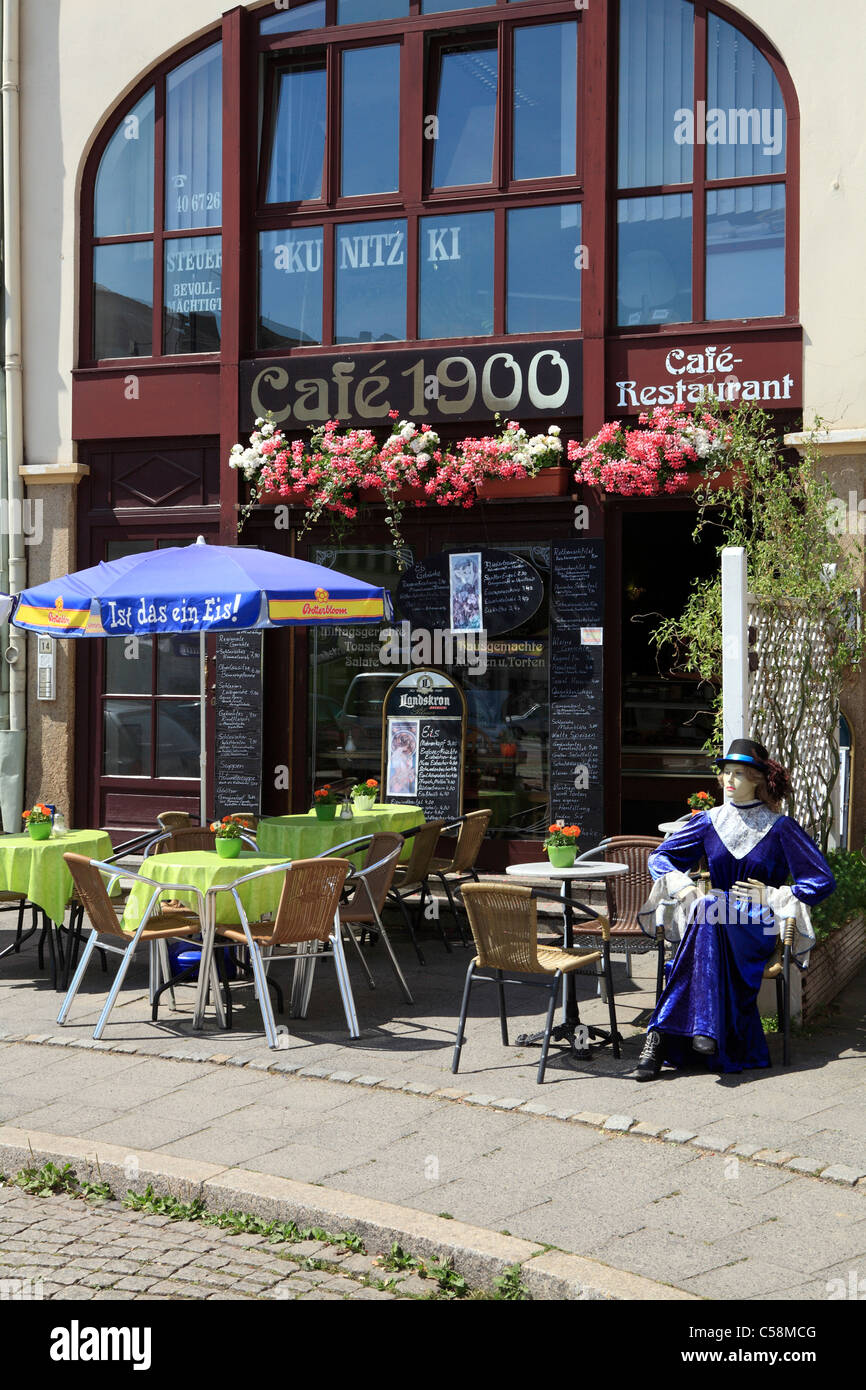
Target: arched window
<point>420,175</point>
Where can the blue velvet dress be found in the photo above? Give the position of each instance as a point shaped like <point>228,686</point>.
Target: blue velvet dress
<point>714,978</point>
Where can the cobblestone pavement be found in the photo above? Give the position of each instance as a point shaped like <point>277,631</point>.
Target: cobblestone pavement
<point>65,1248</point>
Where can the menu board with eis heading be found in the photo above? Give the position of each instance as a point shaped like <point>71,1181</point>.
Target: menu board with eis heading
<point>577,686</point>
<point>424,716</point>
<point>238,732</point>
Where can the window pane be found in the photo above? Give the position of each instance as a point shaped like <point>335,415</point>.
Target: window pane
<point>123,300</point>
<point>128,665</point>
<point>311,16</point>
<point>298,149</point>
<point>290,287</point>
<point>123,201</point>
<point>193,302</point>
<point>746,121</point>
<point>371,281</point>
<point>656,80</point>
<point>126,740</point>
<point>466,109</point>
<point>177,738</point>
<point>371,125</point>
<point>543,286</point>
<point>545,100</point>
<point>360,11</point>
<point>456,263</point>
<point>440,6</point>
<point>654,281</point>
<point>177,670</point>
<point>746,252</point>
<point>193,142</point>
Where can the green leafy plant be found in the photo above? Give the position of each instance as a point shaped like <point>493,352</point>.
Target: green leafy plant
<point>95,1192</point>
<point>849,899</point>
<point>48,1180</point>
<point>169,1206</point>
<point>351,1242</point>
<point>452,1284</point>
<point>509,1287</point>
<point>397,1259</point>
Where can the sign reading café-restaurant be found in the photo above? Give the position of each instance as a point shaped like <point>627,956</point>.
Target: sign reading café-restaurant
<point>522,380</point>
<point>644,372</point>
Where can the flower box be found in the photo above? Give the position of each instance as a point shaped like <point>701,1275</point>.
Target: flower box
<point>833,963</point>
<point>549,482</point>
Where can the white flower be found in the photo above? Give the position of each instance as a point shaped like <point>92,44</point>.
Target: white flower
<point>554,429</point>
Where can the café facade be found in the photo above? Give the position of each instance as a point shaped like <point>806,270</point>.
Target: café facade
<point>556,213</point>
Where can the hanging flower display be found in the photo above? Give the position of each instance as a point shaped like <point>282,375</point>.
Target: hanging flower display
<point>661,456</point>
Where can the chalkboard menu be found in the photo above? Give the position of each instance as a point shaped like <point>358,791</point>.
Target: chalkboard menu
<point>577,686</point>
<point>424,715</point>
<point>511,591</point>
<point>238,735</point>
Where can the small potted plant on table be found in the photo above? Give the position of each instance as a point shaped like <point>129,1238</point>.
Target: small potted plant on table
<point>325,802</point>
<point>228,835</point>
<point>364,795</point>
<point>38,821</point>
<point>561,845</point>
<point>700,801</point>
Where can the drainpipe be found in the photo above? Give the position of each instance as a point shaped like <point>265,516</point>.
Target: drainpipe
<point>12,739</point>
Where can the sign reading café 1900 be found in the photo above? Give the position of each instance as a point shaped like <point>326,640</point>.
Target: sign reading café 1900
<point>523,380</point>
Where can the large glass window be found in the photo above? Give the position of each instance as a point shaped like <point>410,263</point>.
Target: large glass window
<point>543,269</point>
<point>290,287</point>
<point>193,294</point>
<point>298,146</point>
<point>545,100</point>
<point>654,247</point>
<point>362,11</point>
<point>123,299</point>
<point>371,120</point>
<point>465,113</point>
<point>746,120</point>
<point>746,252</point>
<point>656,80</point>
<point>370,262</point>
<point>309,16</point>
<point>123,201</point>
<point>455,254</point>
<point>193,142</point>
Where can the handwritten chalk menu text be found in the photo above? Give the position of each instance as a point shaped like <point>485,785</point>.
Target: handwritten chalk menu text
<point>577,686</point>
<point>238,734</point>
<point>511,591</point>
<point>423,736</point>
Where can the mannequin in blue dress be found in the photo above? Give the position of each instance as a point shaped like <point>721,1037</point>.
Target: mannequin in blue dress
<point>727,936</point>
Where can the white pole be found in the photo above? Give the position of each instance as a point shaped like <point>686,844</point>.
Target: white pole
<point>735,645</point>
<point>202,754</point>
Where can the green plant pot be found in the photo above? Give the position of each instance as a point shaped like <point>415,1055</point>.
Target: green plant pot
<point>40,831</point>
<point>326,812</point>
<point>228,849</point>
<point>561,856</point>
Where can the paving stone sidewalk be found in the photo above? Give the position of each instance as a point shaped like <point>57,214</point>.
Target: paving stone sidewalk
<point>65,1248</point>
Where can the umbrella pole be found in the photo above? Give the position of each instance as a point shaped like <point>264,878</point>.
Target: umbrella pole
<point>202,756</point>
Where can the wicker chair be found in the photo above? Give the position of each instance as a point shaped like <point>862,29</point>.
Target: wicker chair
<point>504,923</point>
<point>107,932</point>
<point>455,871</point>
<point>412,878</point>
<point>174,820</point>
<point>626,895</point>
<point>779,969</point>
<point>370,887</point>
<point>307,913</point>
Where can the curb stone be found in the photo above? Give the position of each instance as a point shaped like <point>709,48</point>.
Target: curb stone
<point>479,1255</point>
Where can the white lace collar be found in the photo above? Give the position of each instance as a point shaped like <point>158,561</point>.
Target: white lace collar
<point>741,828</point>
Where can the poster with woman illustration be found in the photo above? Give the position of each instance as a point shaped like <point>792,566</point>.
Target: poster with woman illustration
<point>465,576</point>
<point>402,774</point>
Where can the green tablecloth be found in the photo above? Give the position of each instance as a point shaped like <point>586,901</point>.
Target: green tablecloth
<point>303,837</point>
<point>35,868</point>
<point>204,869</point>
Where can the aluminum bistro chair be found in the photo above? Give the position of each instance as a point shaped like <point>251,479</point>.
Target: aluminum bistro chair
<point>457,870</point>
<point>504,922</point>
<point>369,888</point>
<point>626,895</point>
<point>779,969</point>
<point>412,878</point>
<point>107,932</point>
<point>308,912</point>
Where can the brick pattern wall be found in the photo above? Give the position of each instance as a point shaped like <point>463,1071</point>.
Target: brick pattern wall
<point>832,964</point>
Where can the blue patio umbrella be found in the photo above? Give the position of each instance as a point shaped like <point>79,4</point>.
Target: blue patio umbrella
<point>198,588</point>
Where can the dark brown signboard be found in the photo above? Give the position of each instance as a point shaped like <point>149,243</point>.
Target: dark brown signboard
<point>577,686</point>
<point>643,372</point>
<point>238,719</point>
<point>511,591</point>
<point>539,380</point>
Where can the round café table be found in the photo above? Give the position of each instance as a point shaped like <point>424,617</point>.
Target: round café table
<point>304,837</point>
<point>571,1030</point>
<point>35,870</point>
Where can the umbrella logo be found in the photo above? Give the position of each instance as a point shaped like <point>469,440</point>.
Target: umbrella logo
<point>58,602</point>
<point>322,595</point>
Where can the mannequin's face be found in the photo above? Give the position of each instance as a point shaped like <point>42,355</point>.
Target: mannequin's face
<point>738,782</point>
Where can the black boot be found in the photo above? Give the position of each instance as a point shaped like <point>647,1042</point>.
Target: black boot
<point>706,1046</point>
<point>650,1061</point>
